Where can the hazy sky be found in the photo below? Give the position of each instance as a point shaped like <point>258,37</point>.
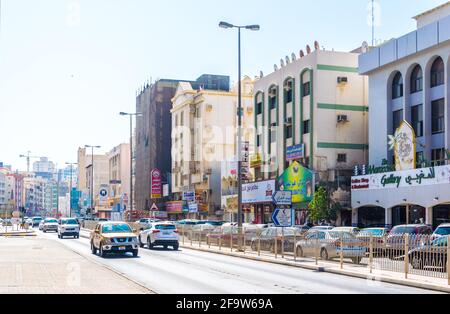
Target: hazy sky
<point>67,67</point>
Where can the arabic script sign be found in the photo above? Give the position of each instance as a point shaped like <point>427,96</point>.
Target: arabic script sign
<point>402,179</point>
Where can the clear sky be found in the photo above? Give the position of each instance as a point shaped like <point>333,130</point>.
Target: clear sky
<point>68,67</point>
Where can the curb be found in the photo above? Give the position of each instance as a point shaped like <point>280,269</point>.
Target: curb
<point>9,235</point>
<point>371,277</point>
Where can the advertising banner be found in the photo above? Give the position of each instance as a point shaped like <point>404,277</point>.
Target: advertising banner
<point>156,184</point>
<point>300,181</point>
<point>174,207</point>
<point>189,196</point>
<point>404,145</point>
<point>295,152</point>
<point>103,195</point>
<point>258,192</point>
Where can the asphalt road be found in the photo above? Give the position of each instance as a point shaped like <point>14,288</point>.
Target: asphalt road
<point>193,272</point>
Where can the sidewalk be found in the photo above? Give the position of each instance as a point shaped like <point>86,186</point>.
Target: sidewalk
<point>40,266</point>
<point>359,271</point>
<point>16,232</point>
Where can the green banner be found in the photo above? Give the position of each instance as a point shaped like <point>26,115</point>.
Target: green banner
<point>299,180</point>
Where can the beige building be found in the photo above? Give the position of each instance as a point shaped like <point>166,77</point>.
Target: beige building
<point>314,104</point>
<point>204,123</point>
<point>119,175</point>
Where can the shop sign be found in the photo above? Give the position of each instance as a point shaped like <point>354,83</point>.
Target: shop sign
<point>295,152</point>
<point>156,184</point>
<point>174,207</point>
<point>258,192</point>
<point>189,196</point>
<point>300,181</point>
<point>255,161</point>
<point>402,179</point>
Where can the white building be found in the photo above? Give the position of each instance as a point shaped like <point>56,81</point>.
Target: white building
<point>315,104</point>
<point>409,81</point>
<point>119,175</point>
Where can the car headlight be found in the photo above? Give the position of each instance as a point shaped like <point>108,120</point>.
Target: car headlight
<point>134,240</point>
<point>107,241</point>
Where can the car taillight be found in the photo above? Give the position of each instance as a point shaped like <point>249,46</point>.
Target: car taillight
<point>156,231</point>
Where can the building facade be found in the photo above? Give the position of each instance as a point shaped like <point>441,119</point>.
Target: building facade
<point>119,176</point>
<point>313,109</point>
<point>204,120</point>
<point>408,82</point>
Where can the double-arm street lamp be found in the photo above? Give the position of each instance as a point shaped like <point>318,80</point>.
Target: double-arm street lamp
<point>240,113</point>
<point>92,177</point>
<point>131,115</point>
<point>71,164</point>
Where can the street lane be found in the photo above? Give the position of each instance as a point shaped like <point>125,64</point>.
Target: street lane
<point>194,272</point>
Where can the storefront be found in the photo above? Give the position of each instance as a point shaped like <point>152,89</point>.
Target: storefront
<point>257,199</point>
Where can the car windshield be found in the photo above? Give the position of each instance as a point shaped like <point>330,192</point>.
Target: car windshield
<point>116,228</point>
<point>440,242</point>
<point>165,227</point>
<point>375,232</point>
<point>70,222</point>
<point>215,223</point>
<point>340,234</point>
<point>443,231</point>
<point>404,230</point>
<point>37,219</point>
<point>51,221</point>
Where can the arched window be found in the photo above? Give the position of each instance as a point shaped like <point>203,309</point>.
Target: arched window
<point>416,80</point>
<point>259,103</point>
<point>397,86</point>
<point>437,72</point>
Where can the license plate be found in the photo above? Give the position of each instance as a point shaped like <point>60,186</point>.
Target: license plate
<point>122,248</point>
<point>166,232</point>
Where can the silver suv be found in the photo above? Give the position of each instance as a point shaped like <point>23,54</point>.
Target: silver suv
<point>68,227</point>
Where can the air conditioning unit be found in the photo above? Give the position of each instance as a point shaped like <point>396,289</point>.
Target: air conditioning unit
<point>342,80</point>
<point>342,118</point>
<point>288,121</point>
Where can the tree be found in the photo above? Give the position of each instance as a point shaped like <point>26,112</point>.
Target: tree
<point>318,208</point>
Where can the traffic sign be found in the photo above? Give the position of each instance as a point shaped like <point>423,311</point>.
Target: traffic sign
<point>283,198</point>
<point>283,217</point>
<point>154,207</point>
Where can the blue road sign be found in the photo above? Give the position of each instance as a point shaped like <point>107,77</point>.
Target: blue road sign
<point>282,198</point>
<point>283,217</point>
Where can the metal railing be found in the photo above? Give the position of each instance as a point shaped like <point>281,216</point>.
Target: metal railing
<point>419,255</point>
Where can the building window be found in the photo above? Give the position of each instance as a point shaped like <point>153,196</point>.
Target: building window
<point>419,159</point>
<point>438,116</point>
<point>397,86</point>
<point>259,108</point>
<point>417,120</point>
<point>416,80</point>
<point>273,134</point>
<point>182,119</point>
<point>438,157</point>
<point>272,98</point>
<point>342,158</point>
<point>306,126</point>
<point>259,103</point>
<point>288,91</point>
<point>437,72</point>
<point>306,89</point>
<point>397,118</point>
<point>258,140</point>
<point>289,131</point>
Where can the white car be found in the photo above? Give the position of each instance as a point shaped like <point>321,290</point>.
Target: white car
<point>352,230</point>
<point>50,224</point>
<point>160,234</point>
<point>144,223</point>
<point>68,227</point>
<point>41,224</point>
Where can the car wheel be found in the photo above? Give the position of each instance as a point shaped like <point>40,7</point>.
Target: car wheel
<point>299,251</point>
<point>176,247</point>
<point>141,245</point>
<point>149,244</point>
<point>165,247</point>
<point>416,262</point>
<point>135,253</point>
<point>254,246</point>
<point>102,253</point>
<point>93,249</point>
<point>357,260</point>
<point>324,254</point>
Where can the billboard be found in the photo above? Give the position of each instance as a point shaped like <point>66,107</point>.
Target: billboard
<point>300,181</point>
<point>404,145</point>
<point>156,184</point>
<point>295,152</point>
<point>174,207</point>
<point>258,192</point>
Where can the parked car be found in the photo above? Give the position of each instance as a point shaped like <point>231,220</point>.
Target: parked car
<point>29,221</point>
<point>267,239</point>
<point>36,221</point>
<point>395,240</point>
<point>145,222</point>
<point>433,255</point>
<point>441,231</point>
<point>160,234</point>
<point>50,224</point>
<point>200,231</point>
<point>41,224</point>
<point>352,230</point>
<point>329,244</point>
<point>68,227</point>
<point>320,228</point>
<point>114,238</point>
<point>7,223</point>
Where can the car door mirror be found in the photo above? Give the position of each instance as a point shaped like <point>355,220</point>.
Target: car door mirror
<point>134,230</point>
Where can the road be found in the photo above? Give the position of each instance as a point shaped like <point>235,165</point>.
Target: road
<point>193,272</point>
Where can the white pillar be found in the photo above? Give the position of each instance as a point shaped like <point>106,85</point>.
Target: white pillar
<point>388,217</point>
<point>429,216</point>
<point>355,217</point>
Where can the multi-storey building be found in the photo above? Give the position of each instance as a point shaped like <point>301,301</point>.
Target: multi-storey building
<point>204,120</point>
<point>408,81</point>
<point>44,168</point>
<point>119,176</point>
<point>3,190</point>
<point>314,105</point>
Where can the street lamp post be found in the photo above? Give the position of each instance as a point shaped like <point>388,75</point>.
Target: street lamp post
<point>131,115</point>
<point>92,176</point>
<point>71,164</point>
<point>240,113</point>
